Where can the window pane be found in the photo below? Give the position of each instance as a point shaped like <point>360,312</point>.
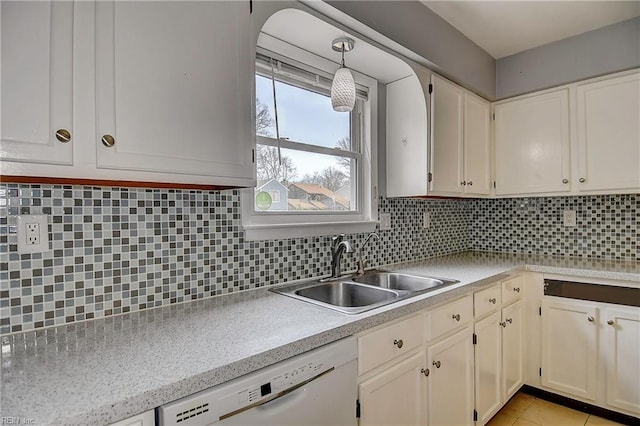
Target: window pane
<point>303,116</point>
<point>304,181</point>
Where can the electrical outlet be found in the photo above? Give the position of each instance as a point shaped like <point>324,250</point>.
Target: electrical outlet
<point>426,219</point>
<point>569,218</point>
<point>32,233</point>
<point>385,221</point>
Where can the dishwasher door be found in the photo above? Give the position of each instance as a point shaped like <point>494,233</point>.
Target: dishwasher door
<point>316,388</point>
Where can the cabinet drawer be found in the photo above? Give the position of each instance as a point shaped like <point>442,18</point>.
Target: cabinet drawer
<point>383,345</point>
<point>487,300</point>
<point>449,317</point>
<point>512,289</point>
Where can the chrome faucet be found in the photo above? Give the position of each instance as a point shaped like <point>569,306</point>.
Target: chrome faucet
<point>338,246</point>
<point>362,263</point>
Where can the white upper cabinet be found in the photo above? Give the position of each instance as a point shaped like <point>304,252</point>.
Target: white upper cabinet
<point>407,138</point>
<point>460,145</point>
<point>447,136</point>
<point>172,101</point>
<point>608,124</point>
<point>477,145</point>
<point>532,144</point>
<point>36,82</point>
<point>173,84</point>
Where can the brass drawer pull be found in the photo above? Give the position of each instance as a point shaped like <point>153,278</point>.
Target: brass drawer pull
<point>398,343</point>
<point>456,317</point>
<point>108,141</point>
<point>63,135</point>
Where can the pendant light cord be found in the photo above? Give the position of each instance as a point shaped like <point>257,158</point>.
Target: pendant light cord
<point>275,109</point>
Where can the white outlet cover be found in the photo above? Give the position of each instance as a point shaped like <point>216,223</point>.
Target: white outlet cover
<point>21,230</point>
<point>385,221</point>
<point>426,219</point>
<point>569,218</point>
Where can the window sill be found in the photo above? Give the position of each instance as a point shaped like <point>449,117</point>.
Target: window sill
<point>298,230</point>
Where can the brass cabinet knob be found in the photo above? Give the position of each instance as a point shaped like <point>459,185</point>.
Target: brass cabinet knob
<point>398,343</point>
<point>610,322</point>
<point>463,183</point>
<point>509,320</point>
<point>493,300</point>
<point>565,181</point>
<point>63,135</point>
<point>582,180</point>
<point>108,141</point>
<point>516,289</point>
<point>503,324</point>
<point>456,317</point>
<point>425,371</point>
<point>436,363</point>
<point>591,319</point>
<point>470,183</point>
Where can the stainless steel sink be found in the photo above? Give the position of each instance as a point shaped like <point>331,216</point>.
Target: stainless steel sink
<point>344,296</point>
<point>363,292</point>
<point>398,281</point>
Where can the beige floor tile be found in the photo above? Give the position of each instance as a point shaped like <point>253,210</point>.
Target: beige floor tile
<point>501,419</point>
<point>518,405</point>
<point>599,421</point>
<point>523,422</point>
<point>549,414</point>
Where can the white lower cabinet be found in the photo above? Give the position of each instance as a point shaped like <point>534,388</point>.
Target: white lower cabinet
<point>512,349</point>
<point>396,396</point>
<point>591,350</point>
<point>488,364</point>
<point>450,383</point>
<point>498,348</point>
<point>570,346</point>
<point>622,338</point>
<point>392,373</point>
<point>147,418</point>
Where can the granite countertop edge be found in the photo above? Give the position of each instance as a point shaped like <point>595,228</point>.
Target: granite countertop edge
<point>474,270</point>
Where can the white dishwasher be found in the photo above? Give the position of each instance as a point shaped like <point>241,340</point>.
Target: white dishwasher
<point>318,387</point>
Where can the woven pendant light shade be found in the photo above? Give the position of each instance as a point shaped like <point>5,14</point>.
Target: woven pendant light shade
<point>343,91</point>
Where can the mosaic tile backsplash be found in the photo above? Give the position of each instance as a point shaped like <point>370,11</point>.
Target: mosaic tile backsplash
<point>116,250</point>
<point>608,226</point>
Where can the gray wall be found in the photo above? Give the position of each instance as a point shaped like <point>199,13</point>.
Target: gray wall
<point>598,52</point>
<point>417,28</point>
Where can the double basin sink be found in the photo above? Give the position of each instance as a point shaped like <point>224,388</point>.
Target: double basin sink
<point>359,293</point>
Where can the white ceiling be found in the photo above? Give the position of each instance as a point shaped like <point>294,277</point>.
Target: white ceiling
<point>503,28</point>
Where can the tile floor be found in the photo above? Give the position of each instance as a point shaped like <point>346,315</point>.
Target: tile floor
<point>527,410</point>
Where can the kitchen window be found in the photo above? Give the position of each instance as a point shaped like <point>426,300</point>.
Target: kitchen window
<point>317,177</point>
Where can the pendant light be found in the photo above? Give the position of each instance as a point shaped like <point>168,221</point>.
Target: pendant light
<point>343,87</point>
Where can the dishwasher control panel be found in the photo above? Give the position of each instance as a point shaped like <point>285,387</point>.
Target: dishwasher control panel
<point>280,383</point>
<point>255,389</point>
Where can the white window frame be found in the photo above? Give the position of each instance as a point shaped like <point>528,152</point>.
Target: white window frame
<point>283,225</point>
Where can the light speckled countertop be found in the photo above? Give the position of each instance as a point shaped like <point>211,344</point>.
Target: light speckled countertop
<point>101,371</point>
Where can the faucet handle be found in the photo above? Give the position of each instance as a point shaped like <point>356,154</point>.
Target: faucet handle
<point>335,240</point>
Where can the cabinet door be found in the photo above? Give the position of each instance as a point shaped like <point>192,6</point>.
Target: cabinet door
<point>532,144</point>
<point>609,134</point>
<point>174,88</point>
<point>396,396</point>
<point>36,81</point>
<point>446,144</point>
<point>450,384</point>
<point>407,138</point>
<point>569,347</point>
<point>622,337</point>
<point>488,367</point>
<point>512,349</point>
<point>477,148</point>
